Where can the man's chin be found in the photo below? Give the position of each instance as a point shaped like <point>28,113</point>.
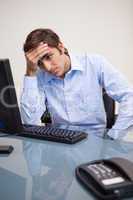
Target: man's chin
<point>60,75</point>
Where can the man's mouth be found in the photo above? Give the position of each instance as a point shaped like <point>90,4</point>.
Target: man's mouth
<point>56,73</point>
<point>56,70</point>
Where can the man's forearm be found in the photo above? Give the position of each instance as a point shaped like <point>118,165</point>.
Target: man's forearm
<point>32,101</point>
<point>124,119</point>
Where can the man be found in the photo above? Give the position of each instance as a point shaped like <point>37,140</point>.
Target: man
<point>72,85</point>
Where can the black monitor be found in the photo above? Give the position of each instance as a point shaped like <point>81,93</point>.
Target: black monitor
<point>10,119</point>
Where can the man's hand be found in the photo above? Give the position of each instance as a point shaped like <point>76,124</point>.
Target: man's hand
<point>33,56</point>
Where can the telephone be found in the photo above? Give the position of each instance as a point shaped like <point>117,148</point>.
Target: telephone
<point>108,178</point>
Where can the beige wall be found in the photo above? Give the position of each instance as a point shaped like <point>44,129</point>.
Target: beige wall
<point>95,26</point>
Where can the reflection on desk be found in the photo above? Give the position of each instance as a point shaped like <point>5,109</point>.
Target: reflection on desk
<point>49,179</point>
<point>45,170</point>
<point>128,136</point>
<point>7,189</point>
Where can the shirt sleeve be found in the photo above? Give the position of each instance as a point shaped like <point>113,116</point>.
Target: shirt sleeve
<point>121,91</point>
<point>32,102</point>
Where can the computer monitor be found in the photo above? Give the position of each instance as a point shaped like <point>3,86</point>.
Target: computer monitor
<point>10,119</point>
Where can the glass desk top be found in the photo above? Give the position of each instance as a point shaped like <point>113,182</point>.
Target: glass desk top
<point>44,170</point>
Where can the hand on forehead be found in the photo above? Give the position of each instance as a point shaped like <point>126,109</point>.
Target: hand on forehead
<point>42,46</point>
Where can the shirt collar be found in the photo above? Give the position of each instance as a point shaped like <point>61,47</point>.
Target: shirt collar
<point>75,63</point>
<point>75,66</point>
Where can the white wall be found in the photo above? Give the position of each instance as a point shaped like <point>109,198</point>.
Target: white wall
<point>96,26</point>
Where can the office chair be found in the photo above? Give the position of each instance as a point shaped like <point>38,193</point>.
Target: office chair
<point>109,105</point>
<point>46,118</point>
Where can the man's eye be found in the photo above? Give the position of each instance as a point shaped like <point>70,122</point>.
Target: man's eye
<point>49,57</point>
<point>46,57</point>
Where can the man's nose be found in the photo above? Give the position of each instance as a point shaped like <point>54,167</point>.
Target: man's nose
<point>48,67</point>
<point>51,68</point>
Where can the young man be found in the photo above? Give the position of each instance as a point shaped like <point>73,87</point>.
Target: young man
<point>72,85</point>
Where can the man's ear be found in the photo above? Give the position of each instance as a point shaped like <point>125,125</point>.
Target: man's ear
<point>61,47</point>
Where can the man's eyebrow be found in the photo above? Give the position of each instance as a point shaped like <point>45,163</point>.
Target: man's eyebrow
<point>49,54</point>
<point>46,55</point>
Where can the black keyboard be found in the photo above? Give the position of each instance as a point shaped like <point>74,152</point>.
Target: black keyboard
<point>53,134</point>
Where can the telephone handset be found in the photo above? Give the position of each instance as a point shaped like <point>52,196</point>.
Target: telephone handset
<point>108,178</point>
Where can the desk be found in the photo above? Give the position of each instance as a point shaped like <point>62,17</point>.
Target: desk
<point>43,170</point>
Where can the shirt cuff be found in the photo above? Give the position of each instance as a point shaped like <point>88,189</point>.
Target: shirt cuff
<point>30,82</point>
<point>116,133</point>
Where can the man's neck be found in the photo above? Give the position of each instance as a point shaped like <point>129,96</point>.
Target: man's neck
<point>68,63</point>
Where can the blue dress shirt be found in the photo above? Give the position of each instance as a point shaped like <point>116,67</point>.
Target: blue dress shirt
<point>77,99</point>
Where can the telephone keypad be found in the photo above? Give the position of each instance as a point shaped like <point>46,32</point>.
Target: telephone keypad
<point>104,173</point>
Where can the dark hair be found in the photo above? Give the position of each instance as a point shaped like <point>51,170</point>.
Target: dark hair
<point>41,35</point>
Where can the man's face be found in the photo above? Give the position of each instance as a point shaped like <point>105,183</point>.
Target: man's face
<point>56,62</point>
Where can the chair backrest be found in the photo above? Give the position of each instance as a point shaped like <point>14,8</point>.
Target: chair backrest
<point>109,105</point>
